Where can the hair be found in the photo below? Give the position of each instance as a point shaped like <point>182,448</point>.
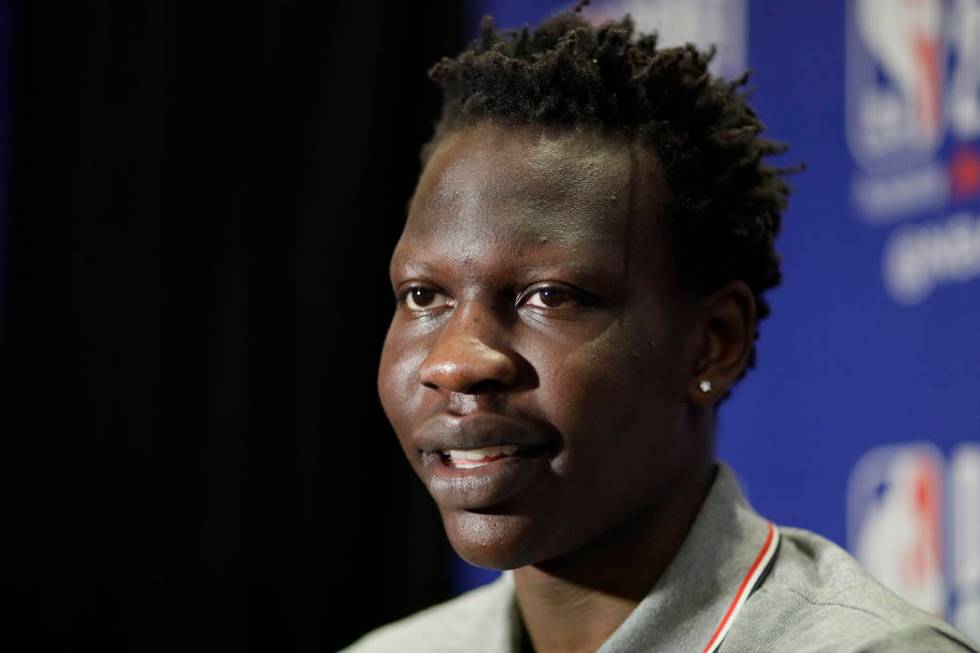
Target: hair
<point>724,204</point>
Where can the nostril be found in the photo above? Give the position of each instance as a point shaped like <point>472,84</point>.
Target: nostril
<point>480,387</point>
<point>485,386</point>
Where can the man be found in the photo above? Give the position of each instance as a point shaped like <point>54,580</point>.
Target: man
<point>579,283</point>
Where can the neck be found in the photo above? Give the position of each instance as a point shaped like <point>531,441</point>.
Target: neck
<point>574,603</point>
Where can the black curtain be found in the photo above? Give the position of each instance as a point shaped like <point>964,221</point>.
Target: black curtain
<point>204,197</point>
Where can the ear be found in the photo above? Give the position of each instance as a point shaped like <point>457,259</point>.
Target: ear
<point>727,334</point>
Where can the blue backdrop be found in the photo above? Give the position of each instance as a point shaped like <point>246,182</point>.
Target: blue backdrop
<point>862,420</point>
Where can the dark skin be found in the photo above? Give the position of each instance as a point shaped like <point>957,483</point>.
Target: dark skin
<point>536,284</point>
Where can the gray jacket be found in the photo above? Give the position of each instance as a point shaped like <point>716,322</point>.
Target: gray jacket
<point>737,585</point>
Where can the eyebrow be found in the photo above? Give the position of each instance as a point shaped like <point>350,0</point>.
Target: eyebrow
<point>583,271</point>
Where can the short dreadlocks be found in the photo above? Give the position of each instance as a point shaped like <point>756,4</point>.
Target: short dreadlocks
<point>724,204</point>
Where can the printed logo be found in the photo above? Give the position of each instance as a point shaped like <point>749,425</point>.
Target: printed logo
<point>722,23</point>
<point>913,92</point>
<point>894,517</point>
<point>919,257</point>
<point>897,523</point>
<point>913,130</point>
<point>895,81</point>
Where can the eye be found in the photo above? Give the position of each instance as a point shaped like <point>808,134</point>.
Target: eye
<point>553,297</point>
<point>420,298</point>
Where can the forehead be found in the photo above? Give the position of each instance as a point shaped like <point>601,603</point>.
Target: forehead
<point>531,187</point>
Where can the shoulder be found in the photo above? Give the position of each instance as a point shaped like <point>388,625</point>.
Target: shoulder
<point>818,598</point>
<point>447,627</point>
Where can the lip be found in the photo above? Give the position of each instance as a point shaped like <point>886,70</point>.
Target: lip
<point>484,486</point>
<point>477,431</point>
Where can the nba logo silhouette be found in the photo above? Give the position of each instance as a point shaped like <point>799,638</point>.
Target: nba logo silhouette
<point>895,521</point>
<point>896,58</point>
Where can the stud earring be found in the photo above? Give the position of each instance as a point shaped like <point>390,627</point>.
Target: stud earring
<point>705,386</point>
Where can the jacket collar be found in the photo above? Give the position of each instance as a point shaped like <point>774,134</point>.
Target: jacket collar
<point>725,556</point>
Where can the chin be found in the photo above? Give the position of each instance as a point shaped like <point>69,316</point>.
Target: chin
<point>492,541</point>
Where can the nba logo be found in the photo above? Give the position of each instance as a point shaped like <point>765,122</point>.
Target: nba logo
<point>895,81</point>
<point>895,521</point>
<point>913,81</point>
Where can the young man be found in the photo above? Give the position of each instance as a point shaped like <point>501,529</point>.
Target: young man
<point>579,281</point>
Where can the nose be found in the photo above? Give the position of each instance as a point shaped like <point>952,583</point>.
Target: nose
<point>469,355</point>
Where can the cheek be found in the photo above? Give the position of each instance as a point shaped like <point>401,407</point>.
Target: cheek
<point>398,386</point>
<point>606,381</point>
<point>614,402</point>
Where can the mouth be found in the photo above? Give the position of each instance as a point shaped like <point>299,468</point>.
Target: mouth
<point>483,456</point>
<point>481,460</point>
<point>475,479</point>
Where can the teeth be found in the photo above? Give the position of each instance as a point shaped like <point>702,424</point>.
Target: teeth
<point>466,457</point>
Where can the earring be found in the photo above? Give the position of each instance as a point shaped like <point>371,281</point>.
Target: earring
<point>705,386</point>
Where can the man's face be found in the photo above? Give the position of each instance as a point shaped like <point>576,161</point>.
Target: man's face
<point>536,366</point>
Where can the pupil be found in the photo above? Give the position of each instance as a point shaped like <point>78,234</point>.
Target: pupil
<point>422,296</point>
<point>551,297</point>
